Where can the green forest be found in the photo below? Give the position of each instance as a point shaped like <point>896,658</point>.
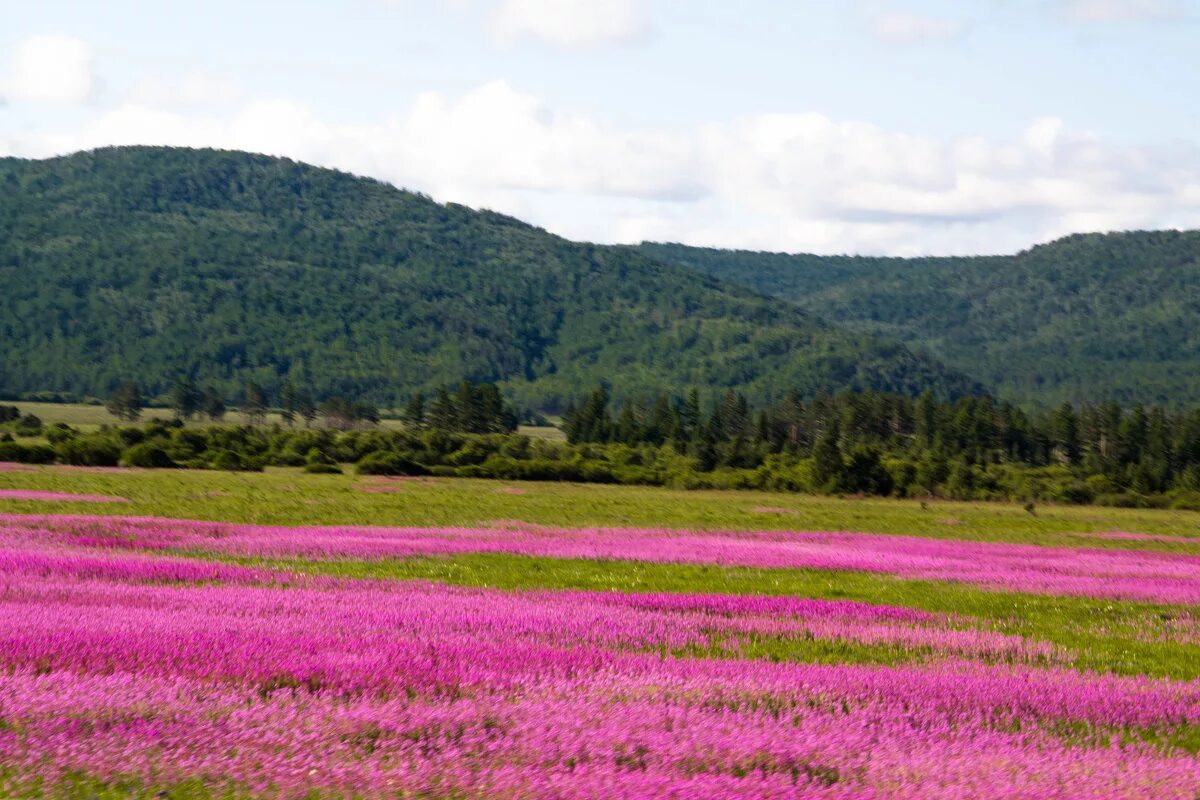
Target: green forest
<point>1088,319</point>
<point>153,265</point>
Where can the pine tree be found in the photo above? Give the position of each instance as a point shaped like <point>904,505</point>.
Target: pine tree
<point>254,407</point>
<point>306,407</point>
<point>126,402</point>
<point>689,414</point>
<point>287,403</point>
<point>185,398</point>
<point>628,431</point>
<point>1065,433</point>
<point>214,404</point>
<point>827,459</point>
<point>414,411</point>
<point>443,415</point>
<point>706,448</point>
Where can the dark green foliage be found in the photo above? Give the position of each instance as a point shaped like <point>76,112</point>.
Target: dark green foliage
<point>1088,318</point>
<point>289,402</point>
<point>26,453</point>
<point>90,450</point>
<point>146,263</point>
<point>387,463</point>
<point>471,408</point>
<point>147,454</point>
<point>254,404</point>
<point>414,411</point>
<point>186,398</point>
<point>213,404</point>
<point>126,401</point>
<point>27,425</point>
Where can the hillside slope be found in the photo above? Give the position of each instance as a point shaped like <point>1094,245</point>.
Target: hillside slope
<point>1090,317</point>
<point>149,263</point>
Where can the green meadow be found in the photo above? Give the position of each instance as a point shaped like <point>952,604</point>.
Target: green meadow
<point>284,496</point>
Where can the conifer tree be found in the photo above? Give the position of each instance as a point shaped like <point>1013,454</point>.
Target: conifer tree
<point>254,405</point>
<point>214,404</point>
<point>126,402</point>
<point>185,398</point>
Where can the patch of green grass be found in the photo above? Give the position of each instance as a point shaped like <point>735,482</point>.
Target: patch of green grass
<point>80,786</point>
<point>289,497</point>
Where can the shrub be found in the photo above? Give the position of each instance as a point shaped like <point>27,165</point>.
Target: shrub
<point>388,463</point>
<point>93,450</point>
<point>60,432</point>
<point>28,425</point>
<point>322,469</point>
<point>1188,500</point>
<point>233,461</point>
<point>318,457</point>
<point>147,454</point>
<point>26,453</point>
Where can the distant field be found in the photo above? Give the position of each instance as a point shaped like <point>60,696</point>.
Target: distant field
<point>289,497</point>
<point>88,417</point>
<point>650,641</point>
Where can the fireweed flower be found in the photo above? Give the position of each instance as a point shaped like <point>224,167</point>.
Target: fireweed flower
<point>126,665</point>
<point>1120,574</point>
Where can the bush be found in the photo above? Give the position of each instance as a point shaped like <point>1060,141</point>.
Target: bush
<point>28,425</point>
<point>26,453</point>
<point>1187,500</point>
<point>93,450</point>
<point>1078,493</point>
<point>389,463</point>
<point>322,469</point>
<point>150,455</point>
<point>60,432</point>
<point>233,461</point>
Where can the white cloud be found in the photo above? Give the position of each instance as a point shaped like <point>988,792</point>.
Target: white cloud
<point>570,23</point>
<point>49,68</point>
<point>193,90</point>
<point>1121,10</point>
<point>790,181</point>
<point>906,29</point>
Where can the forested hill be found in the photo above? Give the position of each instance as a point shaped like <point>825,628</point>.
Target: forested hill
<point>152,263</point>
<point>1092,317</point>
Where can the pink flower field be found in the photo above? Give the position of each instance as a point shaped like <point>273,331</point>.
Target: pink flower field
<point>126,661</point>
<point>1132,575</point>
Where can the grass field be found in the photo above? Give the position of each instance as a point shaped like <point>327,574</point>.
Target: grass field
<point>1080,683</point>
<point>91,417</point>
<point>289,497</point>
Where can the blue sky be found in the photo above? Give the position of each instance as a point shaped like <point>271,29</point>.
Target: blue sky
<point>875,126</point>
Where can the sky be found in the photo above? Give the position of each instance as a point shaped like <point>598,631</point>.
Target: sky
<point>895,127</point>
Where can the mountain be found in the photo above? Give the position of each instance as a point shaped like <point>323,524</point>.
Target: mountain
<point>1093,317</point>
<point>148,263</point>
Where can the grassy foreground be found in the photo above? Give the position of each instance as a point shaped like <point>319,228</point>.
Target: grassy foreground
<point>290,497</point>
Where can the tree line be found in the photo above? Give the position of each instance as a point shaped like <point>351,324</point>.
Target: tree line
<point>467,408</point>
<point>864,443</point>
<point>875,442</point>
